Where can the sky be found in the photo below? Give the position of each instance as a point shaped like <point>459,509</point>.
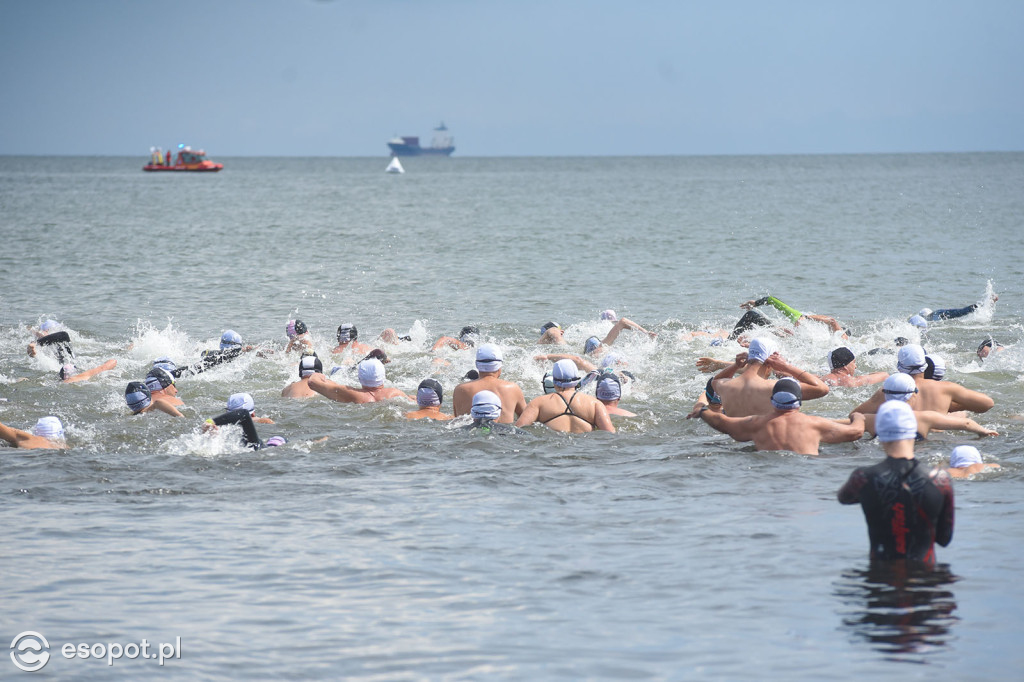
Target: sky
<point>511,78</point>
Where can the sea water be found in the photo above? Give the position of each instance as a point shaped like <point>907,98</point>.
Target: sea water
<point>371,547</point>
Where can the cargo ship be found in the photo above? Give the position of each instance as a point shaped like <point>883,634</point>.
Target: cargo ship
<point>442,144</point>
<point>188,159</point>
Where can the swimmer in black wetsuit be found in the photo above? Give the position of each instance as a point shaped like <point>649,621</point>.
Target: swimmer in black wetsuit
<point>907,508</point>
<point>242,417</point>
<point>230,348</point>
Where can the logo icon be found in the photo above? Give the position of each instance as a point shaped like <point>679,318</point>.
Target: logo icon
<point>30,652</point>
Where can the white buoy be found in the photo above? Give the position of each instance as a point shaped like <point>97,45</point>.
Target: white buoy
<point>395,166</point>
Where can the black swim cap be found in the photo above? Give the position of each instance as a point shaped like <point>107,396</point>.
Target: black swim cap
<point>841,357</point>
<point>472,375</point>
<point>901,341</point>
<point>432,385</point>
<point>548,326</point>
<point>710,393</point>
<point>160,377</point>
<point>787,394</point>
<point>347,332</point>
<point>987,343</point>
<point>750,319</point>
<point>468,334</point>
<point>310,364</point>
<point>300,327</point>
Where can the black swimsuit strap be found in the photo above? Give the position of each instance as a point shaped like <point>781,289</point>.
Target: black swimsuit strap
<point>568,410</point>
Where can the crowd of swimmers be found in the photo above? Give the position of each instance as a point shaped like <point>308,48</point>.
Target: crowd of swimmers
<point>757,397</point>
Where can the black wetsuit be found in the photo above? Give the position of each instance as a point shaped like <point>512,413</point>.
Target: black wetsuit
<point>906,509</point>
<point>568,411</point>
<point>209,358</point>
<point>61,343</point>
<point>241,417</point>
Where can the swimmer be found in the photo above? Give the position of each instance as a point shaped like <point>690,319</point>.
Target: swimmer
<point>429,397</point>
<point>920,323</point>
<point>486,411</point>
<point>596,346</point>
<point>987,347</point>
<point>371,390</point>
<point>551,334</point>
<point>609,392</point>
<point>937,396</point>
<point>309,364</point>
<point>467,338</point>
<point>579,413</point>
<point>708,399</point>
<point>907,509</point>
<point>785,427</point>
<point>952,313</point>
<point>902,387</point>
<point>243,418</point>
<point>750,393</point>
<point>244,401</point>
<point>794,315</point>
<point>966,461</point>
<point>347,340</point>
<point>59,340</point>
<point>69,374</point>
<point>140,401</point>
<point>298,336</point>
<point>47,434</point>
<point>160,383</point>
<point>843,363</point>
<point>581,363</point>
<point>489,361</point>
<point>231,347</point>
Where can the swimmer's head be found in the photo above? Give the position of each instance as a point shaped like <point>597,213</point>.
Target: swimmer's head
<point>310,365</point>
<point>486,405</point>
<point>371,373</point>
<point>609,315</point>
<point>488,358</point>
<point>899,386</point>
<point>165,362</point>
<point>378,354</point>
<point>230,339</point>
<point>895,421</point>
<point>611,360</point>
<point>711,394</point>
<point>591,345</point>
<point>910,359</point>
<point>49,428</point>
<point>901,341</point>
<point>936,367</point>
<point>549,325</point>
<point>565,374</point>
<point>275,441</point>
<point>840,357</point>
<point>925,312</point>
<point>49,326</point>
<point>986,347</point>
<point>608,388</point>
<point>918,321</point>
<point>241,401</point>
<point>347,332</point>
<point>548,382</point>
<point>429,393</point>
<point>964,456</point>
<point>67,371</point>
<point>158,379</point>
<point>295,328</point>
<point>787,394</point>
<point>469,335</point>
<point>750,319</point>
<point>471,375</point>
<point>137,396</point>
<point>761,349</point>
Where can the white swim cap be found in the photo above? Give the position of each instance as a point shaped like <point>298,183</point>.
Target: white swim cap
<point>49,326</point>
<point>371,373</point>
<point>895,421</point>
<point>608,388</point>
<point>309,365</point>
<point>761,349</point>
<point>899,386</point>
<point>964,455</point>
<point>565,373</point>
<point>488,358</point>
<point>936,367</point>
<point>918,321</point>
<point>925,312</point>
<point>242,401</point>
<point>49,427</point>
<point>910,359</point>
<point>787,394</point>
<point>486,405</point>
<point>229,339</point>
<point>609,315</point>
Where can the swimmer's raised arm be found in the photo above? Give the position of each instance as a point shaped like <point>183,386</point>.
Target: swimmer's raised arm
<point>582,364</point>
<point>811,385</point>
<point>708,365</point>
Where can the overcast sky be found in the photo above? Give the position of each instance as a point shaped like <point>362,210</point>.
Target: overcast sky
<point>511,78</point>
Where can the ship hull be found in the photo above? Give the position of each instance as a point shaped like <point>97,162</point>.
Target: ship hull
<point>410,150</point>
